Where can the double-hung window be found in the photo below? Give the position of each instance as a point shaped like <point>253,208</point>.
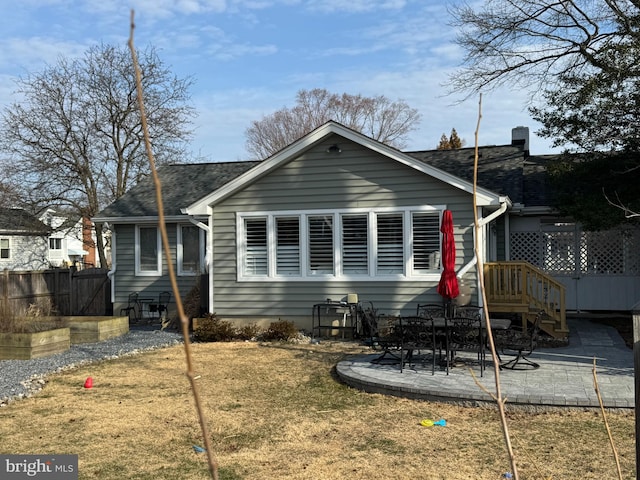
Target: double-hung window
<point>5,251</point>
<point>148,251</point>
<point>189,250</point>
<point>350,243</point>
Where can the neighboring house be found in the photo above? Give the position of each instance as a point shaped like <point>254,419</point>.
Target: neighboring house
<point>23,241</point>
<point>334,213</point>
<point>71,242</point>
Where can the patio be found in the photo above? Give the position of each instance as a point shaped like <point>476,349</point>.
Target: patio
<point>564,379</point>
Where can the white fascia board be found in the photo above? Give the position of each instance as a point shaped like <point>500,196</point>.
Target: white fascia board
<point>484,197</point>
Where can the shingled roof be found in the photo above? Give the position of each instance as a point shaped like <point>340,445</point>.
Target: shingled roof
<point>504,169</point>
<point>181,185</point>
<point>17,221</point>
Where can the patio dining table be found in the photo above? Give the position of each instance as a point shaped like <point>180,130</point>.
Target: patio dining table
<point>496,323</point>
<point>442,326</point>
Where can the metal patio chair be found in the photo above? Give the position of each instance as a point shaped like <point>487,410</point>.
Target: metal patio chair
<point>521,343</point>
<point>465,333</point>
<point>132,306</point>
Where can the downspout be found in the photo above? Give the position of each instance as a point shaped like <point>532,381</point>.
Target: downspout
<point>208,257</point>
<point>482,221</point>
<point>112,271</point>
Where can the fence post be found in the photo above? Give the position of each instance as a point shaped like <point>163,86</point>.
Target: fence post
<point>5,292</point>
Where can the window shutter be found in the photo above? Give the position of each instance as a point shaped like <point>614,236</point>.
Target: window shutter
<point>390,244</point>
<point>320,244</point>
<point>288,246</point>
<point>256,241</point>
<point>426,242</point>
<point>355,245</point>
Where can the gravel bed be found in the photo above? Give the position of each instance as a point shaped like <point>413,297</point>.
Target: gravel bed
<point>23,378</point>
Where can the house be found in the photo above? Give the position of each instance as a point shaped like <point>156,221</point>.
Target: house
<point>334,213</point>
<point>23,240</point>
<point>72,241</point>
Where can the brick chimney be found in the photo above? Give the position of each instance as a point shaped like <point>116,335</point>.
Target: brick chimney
<point>520,136</point>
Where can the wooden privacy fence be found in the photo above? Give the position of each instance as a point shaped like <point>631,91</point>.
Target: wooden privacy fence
<point>57,291</point>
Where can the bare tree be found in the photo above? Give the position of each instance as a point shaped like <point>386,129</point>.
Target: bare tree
<point>75,137</point>
<point>579,60</point>
<point>377,117</point>
<point>533,43</point>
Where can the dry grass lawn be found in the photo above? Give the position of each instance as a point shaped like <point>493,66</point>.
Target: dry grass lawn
<point>276,412</point>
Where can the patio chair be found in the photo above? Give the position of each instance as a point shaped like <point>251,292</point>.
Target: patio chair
<point>430,310</point>
<point>469,311</point>
<point>465,333</point>
<point>521,343</point>
<point>163,303</point>
<point>384,336</point>
<point>417,334</point>
<point>132,306</point>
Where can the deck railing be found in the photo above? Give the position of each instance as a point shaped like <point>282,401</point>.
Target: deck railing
<point>521,287</point>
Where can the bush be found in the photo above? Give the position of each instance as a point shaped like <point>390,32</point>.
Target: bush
<point>248,332</point>
<point>191,303</point>
<point>212,329</point>
<point>281,330</point>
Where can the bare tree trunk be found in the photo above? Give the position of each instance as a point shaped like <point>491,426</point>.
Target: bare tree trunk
<point>100,245</point>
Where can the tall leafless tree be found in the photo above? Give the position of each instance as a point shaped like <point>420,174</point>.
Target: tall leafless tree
<point>579,60</point>
<point>534,43</point>
<point>75,138</point>
<point>377,117</point>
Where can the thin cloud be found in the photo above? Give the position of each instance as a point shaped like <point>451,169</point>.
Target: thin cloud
<point>354,6</point>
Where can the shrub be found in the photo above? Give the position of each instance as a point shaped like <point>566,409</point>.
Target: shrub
<point>212,329</point>
<point>248,332</point>
<point>280,330</point>
<point>191,303</point>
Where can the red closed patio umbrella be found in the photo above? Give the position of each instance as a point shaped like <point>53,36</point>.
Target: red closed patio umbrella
<point>448,285</point>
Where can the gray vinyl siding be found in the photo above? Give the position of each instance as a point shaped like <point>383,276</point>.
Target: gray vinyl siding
<point>126,281</point>
<point>355,178</point>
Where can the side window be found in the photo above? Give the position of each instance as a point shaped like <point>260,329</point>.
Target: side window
<point>189,250</point>
<point>148,251</point>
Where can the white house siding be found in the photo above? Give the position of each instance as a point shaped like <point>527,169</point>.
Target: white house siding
<point>125,280</point>
<point>355,178</point>
<point>27,252</point>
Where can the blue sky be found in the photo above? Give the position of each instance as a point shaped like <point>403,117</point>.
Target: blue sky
<point>248,58</point>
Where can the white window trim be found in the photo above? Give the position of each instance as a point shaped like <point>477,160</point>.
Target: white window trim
<point>10,248</point>
<point>408,275</point>
<point>180,251</point>
<point>148,273</point>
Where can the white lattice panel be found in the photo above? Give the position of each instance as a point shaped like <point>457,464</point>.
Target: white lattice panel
<point>612,252</point>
